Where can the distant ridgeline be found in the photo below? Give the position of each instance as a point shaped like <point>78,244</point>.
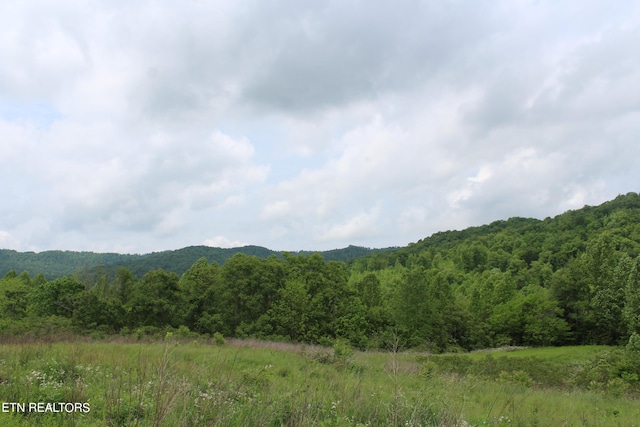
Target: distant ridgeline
<point>558,239</point>
<point>54,264</point>
<point>571,279</point>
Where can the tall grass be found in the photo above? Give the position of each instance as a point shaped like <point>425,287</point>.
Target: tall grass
<point>253,383</point>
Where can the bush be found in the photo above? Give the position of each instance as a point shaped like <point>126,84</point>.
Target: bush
<point>525,370</point>
<point>342,350</point>
<point>634,343</point>
<point>218,339</point>
<point>184,332</point>
<point>616,371</point>
<point>143,331</point>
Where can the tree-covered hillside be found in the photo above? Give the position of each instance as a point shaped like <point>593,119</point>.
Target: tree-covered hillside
<point>54,264</point>
<point>571,279</point>
<point>554,240</point>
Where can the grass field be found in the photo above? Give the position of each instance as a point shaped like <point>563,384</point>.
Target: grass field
<point>568,354</point>
<point>252,383</point>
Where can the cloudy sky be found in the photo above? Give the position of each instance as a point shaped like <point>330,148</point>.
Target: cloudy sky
<point>151,125</point>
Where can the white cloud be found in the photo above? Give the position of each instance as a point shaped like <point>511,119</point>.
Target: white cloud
<point>6,239</point>
<point>276,210</point>
<point>223,242</point>
<point>357,227</point>
<point>146,125</point>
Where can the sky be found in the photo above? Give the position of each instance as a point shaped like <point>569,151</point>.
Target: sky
<point>145,126</point>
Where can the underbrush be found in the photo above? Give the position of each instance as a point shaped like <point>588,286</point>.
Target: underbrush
<point>608,370</point>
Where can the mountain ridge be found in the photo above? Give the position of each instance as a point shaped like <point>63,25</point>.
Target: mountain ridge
<point>58,263</point>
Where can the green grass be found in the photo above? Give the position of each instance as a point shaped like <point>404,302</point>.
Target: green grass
<point>561,355</point>
<point>252,383</point>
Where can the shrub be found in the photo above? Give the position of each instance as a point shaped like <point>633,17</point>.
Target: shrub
<point>184,332</point>
<point>342,350</point>
<point>634,343</point>
<point>615,371</point>
<point>218,339</point>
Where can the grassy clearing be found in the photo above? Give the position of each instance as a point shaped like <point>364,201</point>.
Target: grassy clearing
<point>253,383</point>
<point>561,355</point>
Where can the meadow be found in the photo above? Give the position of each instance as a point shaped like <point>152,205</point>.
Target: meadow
<point>257,383</point>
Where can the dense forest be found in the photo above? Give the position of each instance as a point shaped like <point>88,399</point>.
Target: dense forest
<point>54,264</point>
<point>571,279</point>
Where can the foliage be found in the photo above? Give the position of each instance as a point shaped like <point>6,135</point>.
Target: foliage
<point>90,265</point>
<point>572,279</point>
<point>55,298</point>
<point>155,300</point>
<point>218,339</point>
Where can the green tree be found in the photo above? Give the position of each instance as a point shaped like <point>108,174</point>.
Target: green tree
<point>532,317</point>
<point>56,298</point>
<point>543,324</point>
<point>39,280</point>
<point>600,259</point>
<point>369,291</point>
<point>326,286</point>
<point>14,296</point>
<point>25,278</point>
<point>376,314</point>
<point>289,315</point>
<point>93,312</point>
<point>251,287</point>
<point>11,274</point>
<point>608,302</point>
<point>472,257</point>
<point>123,284</point>
<point>570,289</point>
<point>202,290</point>
<point>631,311</point>
<point>156,300</point>
<point>599,262</point>
<point>416,310</point>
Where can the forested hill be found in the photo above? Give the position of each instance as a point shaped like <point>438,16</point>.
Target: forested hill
<point>571,279</point>
<point>180,260</point>
<point>54,264</point>
<point>553,240</point>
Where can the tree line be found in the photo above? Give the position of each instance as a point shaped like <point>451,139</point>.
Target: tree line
<point>55,264</point>
<point>572,279</point>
